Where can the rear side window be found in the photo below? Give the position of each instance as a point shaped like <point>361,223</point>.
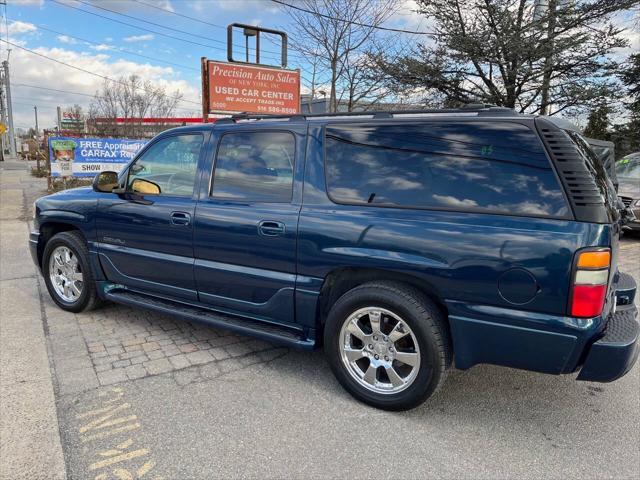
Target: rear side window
<point>496,168</point>
<point>255,167</point>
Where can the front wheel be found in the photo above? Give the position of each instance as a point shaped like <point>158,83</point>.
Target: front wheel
<point>387,345</point>
<point>67,272</point>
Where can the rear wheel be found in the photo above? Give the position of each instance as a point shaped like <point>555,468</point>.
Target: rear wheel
<point>67,272</point>
<point>388,345</point>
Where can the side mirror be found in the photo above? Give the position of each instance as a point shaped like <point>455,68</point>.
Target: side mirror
<point>145,187</point>
<point>105,182</point>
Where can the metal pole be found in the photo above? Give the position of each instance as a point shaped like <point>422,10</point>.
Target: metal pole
<point>3,114</point>
<point>59,111</point>
<point>7,84</point>
<point>205,88</point>
<point>545,107</point>
<point>35,109</point>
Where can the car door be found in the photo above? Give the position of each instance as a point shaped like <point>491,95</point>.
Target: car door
<point>146,234</point>
<point>246,223</point>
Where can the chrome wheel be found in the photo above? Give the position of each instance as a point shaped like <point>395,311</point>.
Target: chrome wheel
<point>65,274</point>
<point>379,350</point>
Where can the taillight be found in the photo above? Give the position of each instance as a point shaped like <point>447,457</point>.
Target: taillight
<point>590,279</point>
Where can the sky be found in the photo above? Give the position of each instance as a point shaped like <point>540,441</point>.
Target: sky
<point>123,37</point>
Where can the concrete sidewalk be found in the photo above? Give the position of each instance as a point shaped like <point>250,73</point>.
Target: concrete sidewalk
<point>30,444</point>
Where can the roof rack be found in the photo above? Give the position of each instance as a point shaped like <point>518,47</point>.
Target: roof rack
<point>472,108</point>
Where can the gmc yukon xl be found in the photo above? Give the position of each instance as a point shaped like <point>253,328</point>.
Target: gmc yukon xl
<point>400,242</point>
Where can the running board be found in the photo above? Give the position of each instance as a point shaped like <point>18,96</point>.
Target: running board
<point>245,326</point>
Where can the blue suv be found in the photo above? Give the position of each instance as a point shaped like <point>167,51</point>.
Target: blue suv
<point>399,241</point>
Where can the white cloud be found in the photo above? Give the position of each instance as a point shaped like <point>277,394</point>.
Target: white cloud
<point>451,201</point>
<point>66,39</point>
<point>407,18</point>
<point>31,70</point>
<point>166,4</point>
<point>122,6</point>
<point>17,27</point>
<point>139,38</point>
<point>234,6</point>
<point>27,3</point>
<point>633,37</point>
<point>103,47</point>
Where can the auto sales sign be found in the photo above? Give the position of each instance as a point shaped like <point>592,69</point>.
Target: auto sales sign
<point>245,88</point>
<point>85,157</point>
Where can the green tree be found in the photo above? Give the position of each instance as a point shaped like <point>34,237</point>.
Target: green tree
<point>627,135</point>
<point>598,123</point>
<point>531,55</point>
<point>630,76</point>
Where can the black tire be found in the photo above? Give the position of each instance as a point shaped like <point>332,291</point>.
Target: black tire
<point>88,298</point>
<point>424,319</point>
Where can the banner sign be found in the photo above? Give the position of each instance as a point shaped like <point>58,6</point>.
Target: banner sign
<point>229,87</point>
<point>85,157</point>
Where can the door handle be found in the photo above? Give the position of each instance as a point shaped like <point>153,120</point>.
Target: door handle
<point>180,218</point>
<point>270,228</point>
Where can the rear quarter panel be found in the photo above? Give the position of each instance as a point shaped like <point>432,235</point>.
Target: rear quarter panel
<point>460,258</point>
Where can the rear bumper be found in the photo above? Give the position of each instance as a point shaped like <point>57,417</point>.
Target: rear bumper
<point>604,348</point>
<point>616,352</point>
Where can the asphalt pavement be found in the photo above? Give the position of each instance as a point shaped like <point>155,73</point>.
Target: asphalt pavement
<point>208,404</point>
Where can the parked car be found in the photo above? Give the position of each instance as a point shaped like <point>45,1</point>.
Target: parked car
<point>398,241</point>
<point>628,173</point>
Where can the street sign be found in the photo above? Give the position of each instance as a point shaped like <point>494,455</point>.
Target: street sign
<point>233,88</point>
<point>71,121</point>
<point>3,128</point>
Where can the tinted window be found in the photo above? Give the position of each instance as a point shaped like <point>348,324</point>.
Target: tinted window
<point>486,167</point>
<point>596,168</point>
<point>170,163</point>
<point>255,166</point>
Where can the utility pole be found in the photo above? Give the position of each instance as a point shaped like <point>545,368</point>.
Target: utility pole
<point>3,117</point>
<point>35,109</point>
<point>551,7</point>
<point>7,85</point>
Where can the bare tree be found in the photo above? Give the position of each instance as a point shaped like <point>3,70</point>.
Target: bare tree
<point>132,99</point>
<point>510,53</point>
<point>338,33</point>
<point>360,84</point>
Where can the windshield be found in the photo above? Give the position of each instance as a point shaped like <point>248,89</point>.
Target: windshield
<point>629,167</point>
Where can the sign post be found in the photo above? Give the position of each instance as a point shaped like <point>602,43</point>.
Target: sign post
<point>243,87</point>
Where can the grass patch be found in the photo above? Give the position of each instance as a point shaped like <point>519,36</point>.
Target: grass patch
<point>39,172</point>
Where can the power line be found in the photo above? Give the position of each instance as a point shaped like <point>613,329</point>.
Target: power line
<point>149,30</point>
<point>71,92</point>
<point>88,71</point>
<point>123,50</point>
<point>177,30</point>
<point>195,19</point>
<point>389,29</point>
<point>204,22</point>
<point>39,104</point>
<point>138,27</point>
<point>148,22</point>
<point>53,89</point>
